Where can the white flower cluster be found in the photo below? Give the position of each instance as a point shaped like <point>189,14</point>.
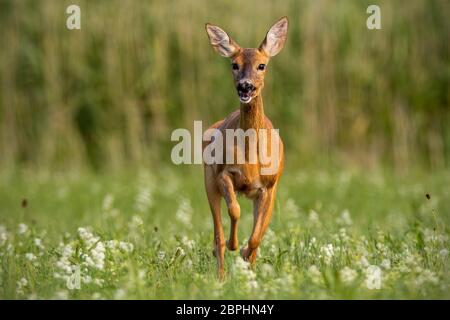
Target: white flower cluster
<point>144,196</point>
<point>95,253</point>
<point>21,285</point>
<point>292,208</point>
<point>30,256</point>
<point>348,275</point>
<point>184,212</point>
<point>86,256</point>
<point>342,236</point>
<point>38,244</point>
<point>161,255</point>
<point>313,217</point>
<point>22,229</point>
<point>135,223</point>
<point>345,218</point>
<point>315,275</point>
<point>108,201</point>
<point>122,246</point>
<point>242,271</point>
<point>3,235</point>
<point>327,253</point>
<point>143,199</point>
<point>188,243</point>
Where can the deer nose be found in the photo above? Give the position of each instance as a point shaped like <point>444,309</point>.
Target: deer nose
<point>245,86</point>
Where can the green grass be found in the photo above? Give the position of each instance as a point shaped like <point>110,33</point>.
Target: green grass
<point>367,224</point>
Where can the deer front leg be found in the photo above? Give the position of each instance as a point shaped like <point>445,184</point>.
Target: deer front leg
<point>262,213</point>
<point>214,199</point>
<point>234,210</point>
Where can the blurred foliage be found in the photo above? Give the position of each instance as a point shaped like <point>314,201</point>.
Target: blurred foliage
<point>110,94</point>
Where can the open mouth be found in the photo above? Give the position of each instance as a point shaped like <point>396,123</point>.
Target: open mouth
<point>245,97</point>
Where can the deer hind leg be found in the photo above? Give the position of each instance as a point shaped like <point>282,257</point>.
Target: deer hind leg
<point>262,213</point>
<point>234,210</point>
<point>214,199</point>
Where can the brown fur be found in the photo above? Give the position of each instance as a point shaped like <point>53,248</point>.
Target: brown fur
<point>226,180</point>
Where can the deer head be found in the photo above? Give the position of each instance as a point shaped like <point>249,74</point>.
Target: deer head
<point>249,64</point>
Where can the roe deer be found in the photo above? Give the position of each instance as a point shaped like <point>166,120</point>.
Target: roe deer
<point>224,180</point>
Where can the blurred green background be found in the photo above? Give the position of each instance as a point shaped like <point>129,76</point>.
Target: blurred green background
<point>109,95</point>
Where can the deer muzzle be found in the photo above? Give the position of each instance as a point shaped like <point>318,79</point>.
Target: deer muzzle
<point>245,90</point>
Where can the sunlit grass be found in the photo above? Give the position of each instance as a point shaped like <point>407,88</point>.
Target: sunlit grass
<point>145,235</point>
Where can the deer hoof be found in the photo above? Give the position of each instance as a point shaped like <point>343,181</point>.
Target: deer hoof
<point>248,254</point>
<point>245,252</point>
<point>232,245</point>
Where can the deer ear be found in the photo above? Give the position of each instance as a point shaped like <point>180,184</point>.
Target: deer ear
<point>221,42</point>
<point>275,38</point>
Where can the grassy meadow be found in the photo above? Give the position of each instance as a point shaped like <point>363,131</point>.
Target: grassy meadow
<point>91,206</point>
<point>148,235</point>
<point>113,91</point>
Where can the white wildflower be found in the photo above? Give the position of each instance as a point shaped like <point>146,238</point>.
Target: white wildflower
<point>348,275</point>
<point>23,228</point>
<point>345,218</point>
<point>315,274</point>
<point>188,263</point>
<point>143,199</point>
<point>30,256</point>
<point>38,243</point>
<point>270,236</point>
<point>136,222</point>
<point>21,285</point>
<point>252,285</point>
<point>179,251</point>
<point>190,244</point>
<point>184,212</point>
<point>78,259</point>
<point>431,236</point>
<point>108,201</point>
<point>161,255</point>
<point>327,252</point>
<point>313,217</point>
<point>364,262</point>
<point>291,207</point>
<point>241,269</point>
<point>285,283</point>
<point>386,264</point>
<point>98,255</point>
<point>99,282</point>
<point>111,244</point>
<point>343,237</point>
<point>3,235</point>
<point>267,270</point>
<point>87,279</point>
<point>384,250</point>
<point>426,276</point>
<point>126,246</point>
<point>443,253</point>
<point>273,249</point>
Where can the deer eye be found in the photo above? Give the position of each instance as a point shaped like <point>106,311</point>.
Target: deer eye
<point>262,66</point>
<point>235,66</point>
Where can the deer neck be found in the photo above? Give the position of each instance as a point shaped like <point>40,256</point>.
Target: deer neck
<point>252,114</point>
